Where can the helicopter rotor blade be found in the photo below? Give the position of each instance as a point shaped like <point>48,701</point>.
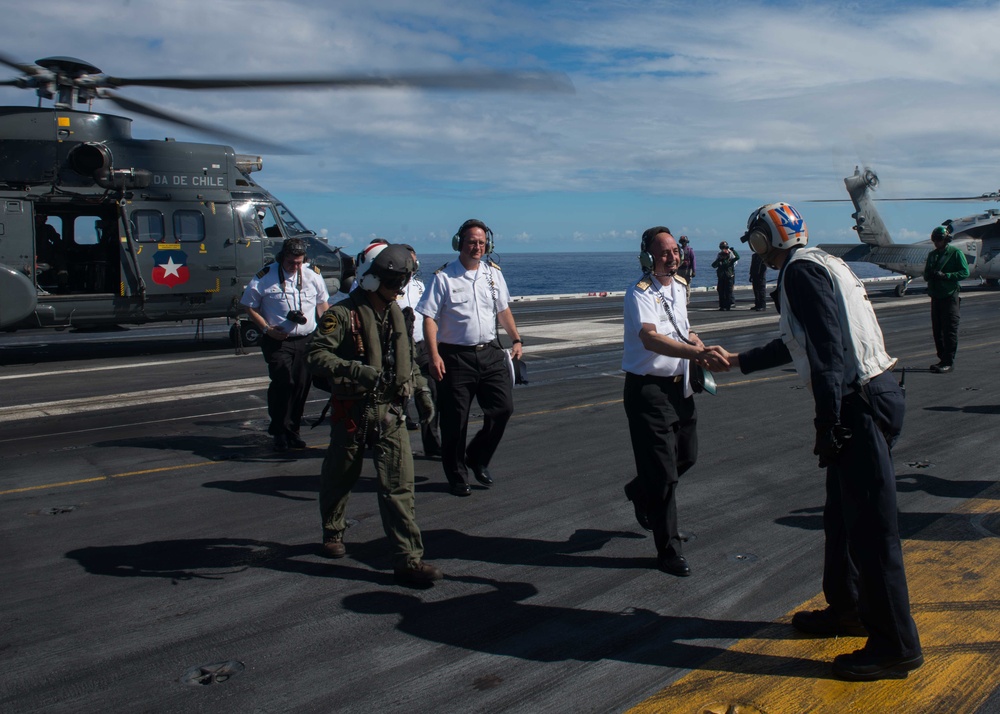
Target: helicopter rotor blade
<point>226,134</point>
<point>29,69</point>
<point>482,80</point>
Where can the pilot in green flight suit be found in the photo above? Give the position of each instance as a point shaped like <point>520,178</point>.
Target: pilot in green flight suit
<point>364,351</point>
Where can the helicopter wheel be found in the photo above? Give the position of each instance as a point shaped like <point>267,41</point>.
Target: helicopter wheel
<point>245,332</point>
<point>901,290</point>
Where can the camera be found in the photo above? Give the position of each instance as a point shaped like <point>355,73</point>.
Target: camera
<point>297,317</point>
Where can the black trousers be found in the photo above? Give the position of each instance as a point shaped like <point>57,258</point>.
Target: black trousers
<point>428,432</point>
<point>863,562</point>
<point>662,424</point>
<point>470,373</point>
<point>944,325</point>
<point>725,288</point>
<point>760,294</point>
<point>290,382</point>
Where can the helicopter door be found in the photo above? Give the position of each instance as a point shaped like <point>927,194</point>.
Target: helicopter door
<point>257,245</point>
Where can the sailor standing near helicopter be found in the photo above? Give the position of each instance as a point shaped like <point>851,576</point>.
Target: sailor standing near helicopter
<point>284,299</point>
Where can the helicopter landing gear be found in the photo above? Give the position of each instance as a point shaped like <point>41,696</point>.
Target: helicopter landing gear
<point>901,288</point>
<point>244,333</point>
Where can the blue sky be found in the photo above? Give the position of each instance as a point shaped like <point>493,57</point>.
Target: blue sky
<point>688,114</point>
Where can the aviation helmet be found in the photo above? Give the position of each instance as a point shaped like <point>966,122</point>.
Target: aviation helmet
<point>775,226</point>
<point>724,245</point>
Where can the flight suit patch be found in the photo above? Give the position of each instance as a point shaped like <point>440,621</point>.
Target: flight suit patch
<point>328,323</point>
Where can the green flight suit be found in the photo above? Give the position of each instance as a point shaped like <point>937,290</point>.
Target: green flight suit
<point>360,415</point>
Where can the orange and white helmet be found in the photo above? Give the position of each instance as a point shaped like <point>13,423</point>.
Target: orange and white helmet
<point>776,225</point>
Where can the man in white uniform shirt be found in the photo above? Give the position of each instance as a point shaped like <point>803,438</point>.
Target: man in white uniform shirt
<point>408,302</point>
<point>284,300</point>
<point>462,307</point>
<point>662,420</point>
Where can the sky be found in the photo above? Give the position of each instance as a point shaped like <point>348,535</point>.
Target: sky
<point>684,114</point>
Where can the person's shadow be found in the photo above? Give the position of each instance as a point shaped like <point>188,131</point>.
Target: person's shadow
<point>501,622</point>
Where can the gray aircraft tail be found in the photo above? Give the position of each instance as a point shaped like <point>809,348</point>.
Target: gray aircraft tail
<point>868,222</point>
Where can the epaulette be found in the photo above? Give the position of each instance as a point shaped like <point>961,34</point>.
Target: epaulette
<point>645,283</point>
<point>263,271</point>
<point>441,268</point>
<point>492,264</point>
<point>681,280</point>
<point>316,269</point>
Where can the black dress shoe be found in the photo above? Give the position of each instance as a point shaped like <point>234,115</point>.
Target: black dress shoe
<point>674,565</point>
<point>941,368</point>
<point>281,443</point>
<point>460,489</point>
<point>631,493</point>
<point>861,666</point>
<point>481,473</point>
<point>295,441</point>
<point>827,623</point>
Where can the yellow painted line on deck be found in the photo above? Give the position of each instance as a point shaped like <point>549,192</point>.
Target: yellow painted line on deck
<point>953,570</point>
<point>161,469</point>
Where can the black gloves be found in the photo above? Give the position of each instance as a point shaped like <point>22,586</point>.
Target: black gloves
<point>830,441</point>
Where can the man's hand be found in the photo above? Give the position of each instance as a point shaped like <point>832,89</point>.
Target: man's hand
<point>939,275</point>
<point>713,357</point>
<point>830,441</point>
<point>436,367</point>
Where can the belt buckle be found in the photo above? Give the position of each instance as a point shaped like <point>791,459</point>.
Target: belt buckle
<point>482,346</point>
<point>678,378</point>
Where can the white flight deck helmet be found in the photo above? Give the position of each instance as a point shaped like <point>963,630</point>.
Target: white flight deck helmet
<point>365,260</point>
<point>775,226</point>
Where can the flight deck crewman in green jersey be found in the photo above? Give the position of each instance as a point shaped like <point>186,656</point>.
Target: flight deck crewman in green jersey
<point>363,349</point>
<point>946,267</point>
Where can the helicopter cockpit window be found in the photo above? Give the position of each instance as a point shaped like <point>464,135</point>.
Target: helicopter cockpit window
<point>147,226</point>
<point>289,219</point>
<point>189,226</point>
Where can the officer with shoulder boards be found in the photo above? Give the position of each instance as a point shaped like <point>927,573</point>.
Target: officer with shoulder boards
<point>363,349</point>
<point>283,300</point>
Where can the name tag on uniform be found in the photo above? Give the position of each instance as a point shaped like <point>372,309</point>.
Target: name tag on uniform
<point>459,295</point>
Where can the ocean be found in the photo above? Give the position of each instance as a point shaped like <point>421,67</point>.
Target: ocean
<point>575,273</point>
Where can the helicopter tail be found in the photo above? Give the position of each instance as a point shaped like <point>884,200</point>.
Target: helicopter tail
<point>867,221</point>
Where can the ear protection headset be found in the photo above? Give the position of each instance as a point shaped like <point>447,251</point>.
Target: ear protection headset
<point>645,257</point>
<point>456,240</point>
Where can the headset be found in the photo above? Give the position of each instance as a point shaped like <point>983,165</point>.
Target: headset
<point>456,240</point>
<point>645,257</point>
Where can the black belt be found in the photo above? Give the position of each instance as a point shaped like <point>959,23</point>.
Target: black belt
<point>676,379</point>
<point>466,348</point>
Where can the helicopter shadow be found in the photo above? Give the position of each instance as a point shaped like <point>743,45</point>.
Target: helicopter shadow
<point>499,621</point>
<point>82,350</point>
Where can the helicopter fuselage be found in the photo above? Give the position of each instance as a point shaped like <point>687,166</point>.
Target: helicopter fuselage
<point>98,228</point>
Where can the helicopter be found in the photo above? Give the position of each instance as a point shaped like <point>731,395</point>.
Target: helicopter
<point>977,236</point>
<point>100,229</point>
